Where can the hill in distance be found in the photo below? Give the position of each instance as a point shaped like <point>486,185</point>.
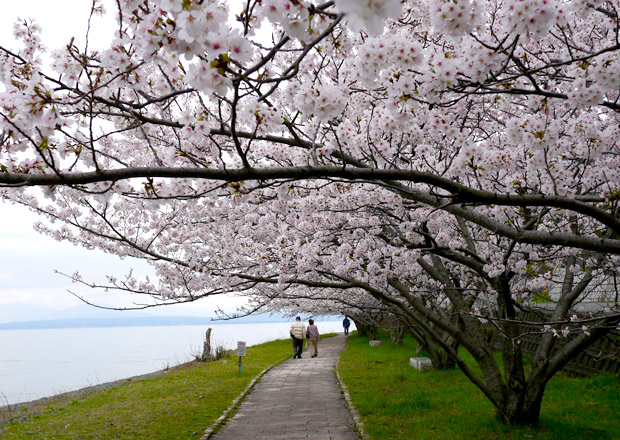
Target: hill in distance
<point>18,317</point>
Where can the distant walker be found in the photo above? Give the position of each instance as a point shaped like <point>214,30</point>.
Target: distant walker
<point>346,324</point>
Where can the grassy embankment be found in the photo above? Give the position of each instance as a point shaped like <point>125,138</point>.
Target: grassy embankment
<point>179,404</point>
<point>396,401</point>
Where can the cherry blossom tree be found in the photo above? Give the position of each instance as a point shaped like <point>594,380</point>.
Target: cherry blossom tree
<point>451,284</point>
<point>454,161</point>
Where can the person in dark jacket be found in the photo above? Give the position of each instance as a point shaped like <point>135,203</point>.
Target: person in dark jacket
<point>346,324</point>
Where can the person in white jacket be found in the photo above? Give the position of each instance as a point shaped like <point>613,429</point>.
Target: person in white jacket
<point>298,333</point>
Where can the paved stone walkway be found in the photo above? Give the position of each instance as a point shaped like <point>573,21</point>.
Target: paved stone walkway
<point>299,398</point>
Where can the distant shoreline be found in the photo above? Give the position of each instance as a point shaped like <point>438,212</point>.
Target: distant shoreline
<point>150,321</point>
<point>162,321</point>
<point>54,324</point>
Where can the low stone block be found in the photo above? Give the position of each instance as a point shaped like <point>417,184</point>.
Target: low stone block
<point>375,343</point>
<point>421,363</point>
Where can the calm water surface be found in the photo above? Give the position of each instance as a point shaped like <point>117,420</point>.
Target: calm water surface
<point>41,363</point>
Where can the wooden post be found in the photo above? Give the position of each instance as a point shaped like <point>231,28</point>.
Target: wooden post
<point>206,349</point>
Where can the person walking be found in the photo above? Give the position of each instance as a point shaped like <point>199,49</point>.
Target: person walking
<point>346,324</point>
<point>298,332</point>
<point>313,338</point>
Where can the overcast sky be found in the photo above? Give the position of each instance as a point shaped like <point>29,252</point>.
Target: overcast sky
<point>27,259</point>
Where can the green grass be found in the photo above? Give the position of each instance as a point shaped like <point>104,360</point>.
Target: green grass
<point>180,404</point>
<point>396,401</point>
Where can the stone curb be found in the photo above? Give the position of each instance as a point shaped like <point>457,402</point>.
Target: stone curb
<point>359,425</point>
<point>226,415</point>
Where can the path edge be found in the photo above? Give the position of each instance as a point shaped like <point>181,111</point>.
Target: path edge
<point>235,404</point>
<point>359,425</point>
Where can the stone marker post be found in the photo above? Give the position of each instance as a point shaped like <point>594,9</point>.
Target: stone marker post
<point>240,353</point>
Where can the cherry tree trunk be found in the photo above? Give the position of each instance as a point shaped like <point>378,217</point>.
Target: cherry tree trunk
<point>397,334</point>
<point>522,406</point>
<point>439,358</point>
<point>362,329</point>
<point>372,331</point>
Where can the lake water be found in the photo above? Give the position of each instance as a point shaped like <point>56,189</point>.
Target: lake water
<point>42,363</point>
